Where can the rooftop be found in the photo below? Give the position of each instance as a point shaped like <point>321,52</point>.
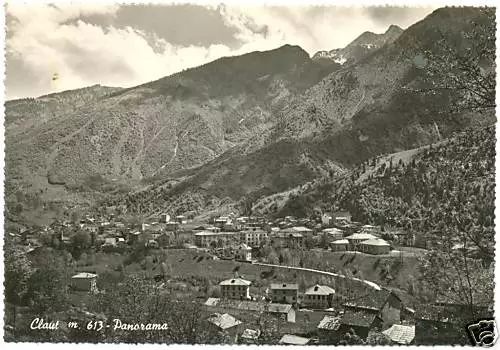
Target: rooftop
<point>361,236</point>
<point>289,286</point>
<point>376,242</point>
<point>329,323</point>
<point>332,230</point>
<point>400,334</point>
<point>235,282</point>
<point>248,305</point>
<point>319,290</point>
<point>279,308</point>
<point>84,275</point>
<point>301,229</point>
<point>212,301</point>
<point>294,340</point>
<point>224,321</point>
<point>358,318</point>
<point>250,334</point>
<point>340,241</point>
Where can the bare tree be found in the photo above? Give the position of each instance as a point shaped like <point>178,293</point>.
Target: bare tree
<point>465,68</point>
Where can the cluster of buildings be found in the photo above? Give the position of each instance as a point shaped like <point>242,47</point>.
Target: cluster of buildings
<point>308,317</point>
<point>336,232</point>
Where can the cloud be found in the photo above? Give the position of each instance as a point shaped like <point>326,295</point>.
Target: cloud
<point>44,40</point>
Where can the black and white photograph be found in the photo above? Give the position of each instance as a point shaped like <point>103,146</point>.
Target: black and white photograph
<point>249,173</point>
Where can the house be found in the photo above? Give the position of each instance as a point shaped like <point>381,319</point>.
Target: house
<point>341,216</point>
<point>227,324</point>
<point>287,293</point>
<point>329,323</point>
<point>304,231</point>
<point>84,281</point>
<point>250,336</point>
<point>333,234</point>
<point>357,238</point>
<point>213,229</point>
<point>383,303</point>
<point>318,297</point>
<point>436,325</point>
<point>401,237</point>
<point>376,246</point>
<point>110,242</point>
<point>221,221</point>
<point>340,245</point>
<point>254,237</point>
<point>288,240</point>
<point>244,252</point>
<point>231,225</point>
<point>289,339</point>
<point>164,218</point>
<point>374,230</point>
<point>214,239</point>
<point>400,334</point>
<point>360,321</point>
<point>328,330</point>
<point>284,312</point>
<point>235,288</point>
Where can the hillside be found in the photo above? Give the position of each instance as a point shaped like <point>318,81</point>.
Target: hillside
<point>243,128</point>
<point>430,189</point>
<point>370,100</point>
<point>352,115</point>
<point>174,123</point>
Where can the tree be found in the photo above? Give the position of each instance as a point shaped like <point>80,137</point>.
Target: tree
<point>79,243</point>
<point>456,279</point>
<point>18,269</point>
<point>309,242</point>
<point>374,338</point>
<point>48,284</point>
<point>466,69</point>
<point>142,301</point>
<point>272,258</point>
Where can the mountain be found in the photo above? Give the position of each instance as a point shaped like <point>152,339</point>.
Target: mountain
<point>243,128</point>
<point>174,123</point>
<point>354,114</point>
<point>365,106</point>
<point>360,48</point>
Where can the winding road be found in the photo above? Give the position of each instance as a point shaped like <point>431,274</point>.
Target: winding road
<point>326,273</point>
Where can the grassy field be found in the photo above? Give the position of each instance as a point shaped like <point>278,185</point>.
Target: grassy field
<point>185,266</point>
<point>388,270</point>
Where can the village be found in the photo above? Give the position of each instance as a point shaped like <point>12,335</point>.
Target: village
<point>314,313</point>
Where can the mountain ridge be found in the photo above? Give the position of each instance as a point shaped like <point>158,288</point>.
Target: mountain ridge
<point>244,127</point>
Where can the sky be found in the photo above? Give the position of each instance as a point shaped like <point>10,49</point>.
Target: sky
<point>62,46</point>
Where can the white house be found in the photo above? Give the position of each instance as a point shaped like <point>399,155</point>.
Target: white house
<point>84,281</point>
<point>319,297</point>
<point>235,288</point>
